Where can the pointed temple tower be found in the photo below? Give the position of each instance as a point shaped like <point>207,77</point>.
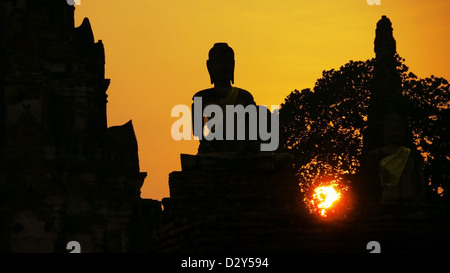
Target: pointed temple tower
<point>64,176</point>
<point>386,96</point>
<point>387,88</point>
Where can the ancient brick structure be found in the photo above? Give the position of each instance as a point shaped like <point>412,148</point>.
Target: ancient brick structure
<point>229,204</point>
<point>64,175</point>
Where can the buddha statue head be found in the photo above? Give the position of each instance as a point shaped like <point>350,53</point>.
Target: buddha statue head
<point>221,65</point>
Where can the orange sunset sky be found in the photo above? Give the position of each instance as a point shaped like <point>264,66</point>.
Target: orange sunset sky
<point>156,55</point>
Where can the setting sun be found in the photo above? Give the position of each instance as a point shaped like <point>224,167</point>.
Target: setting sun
<point>325,198</point>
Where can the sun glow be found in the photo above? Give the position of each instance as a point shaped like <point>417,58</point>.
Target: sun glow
<point>326,198</point>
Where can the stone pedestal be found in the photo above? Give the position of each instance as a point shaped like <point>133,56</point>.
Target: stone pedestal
<point>211,184</point>
<point>221,202</point>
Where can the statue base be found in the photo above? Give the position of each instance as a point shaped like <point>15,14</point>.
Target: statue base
<point>262,184</point>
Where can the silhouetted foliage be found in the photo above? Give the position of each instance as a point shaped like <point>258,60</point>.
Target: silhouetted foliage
<point>323,127</point>
<point>430,119</point>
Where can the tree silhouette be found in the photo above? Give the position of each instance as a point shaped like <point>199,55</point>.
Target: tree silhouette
<point>430,99</point>
<point>323,128</point>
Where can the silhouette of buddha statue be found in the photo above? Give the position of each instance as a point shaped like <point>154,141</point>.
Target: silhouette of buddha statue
<point>400,168</point>
<point>220,66</point>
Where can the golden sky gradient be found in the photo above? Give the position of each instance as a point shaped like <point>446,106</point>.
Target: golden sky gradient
<point>156,55</point>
